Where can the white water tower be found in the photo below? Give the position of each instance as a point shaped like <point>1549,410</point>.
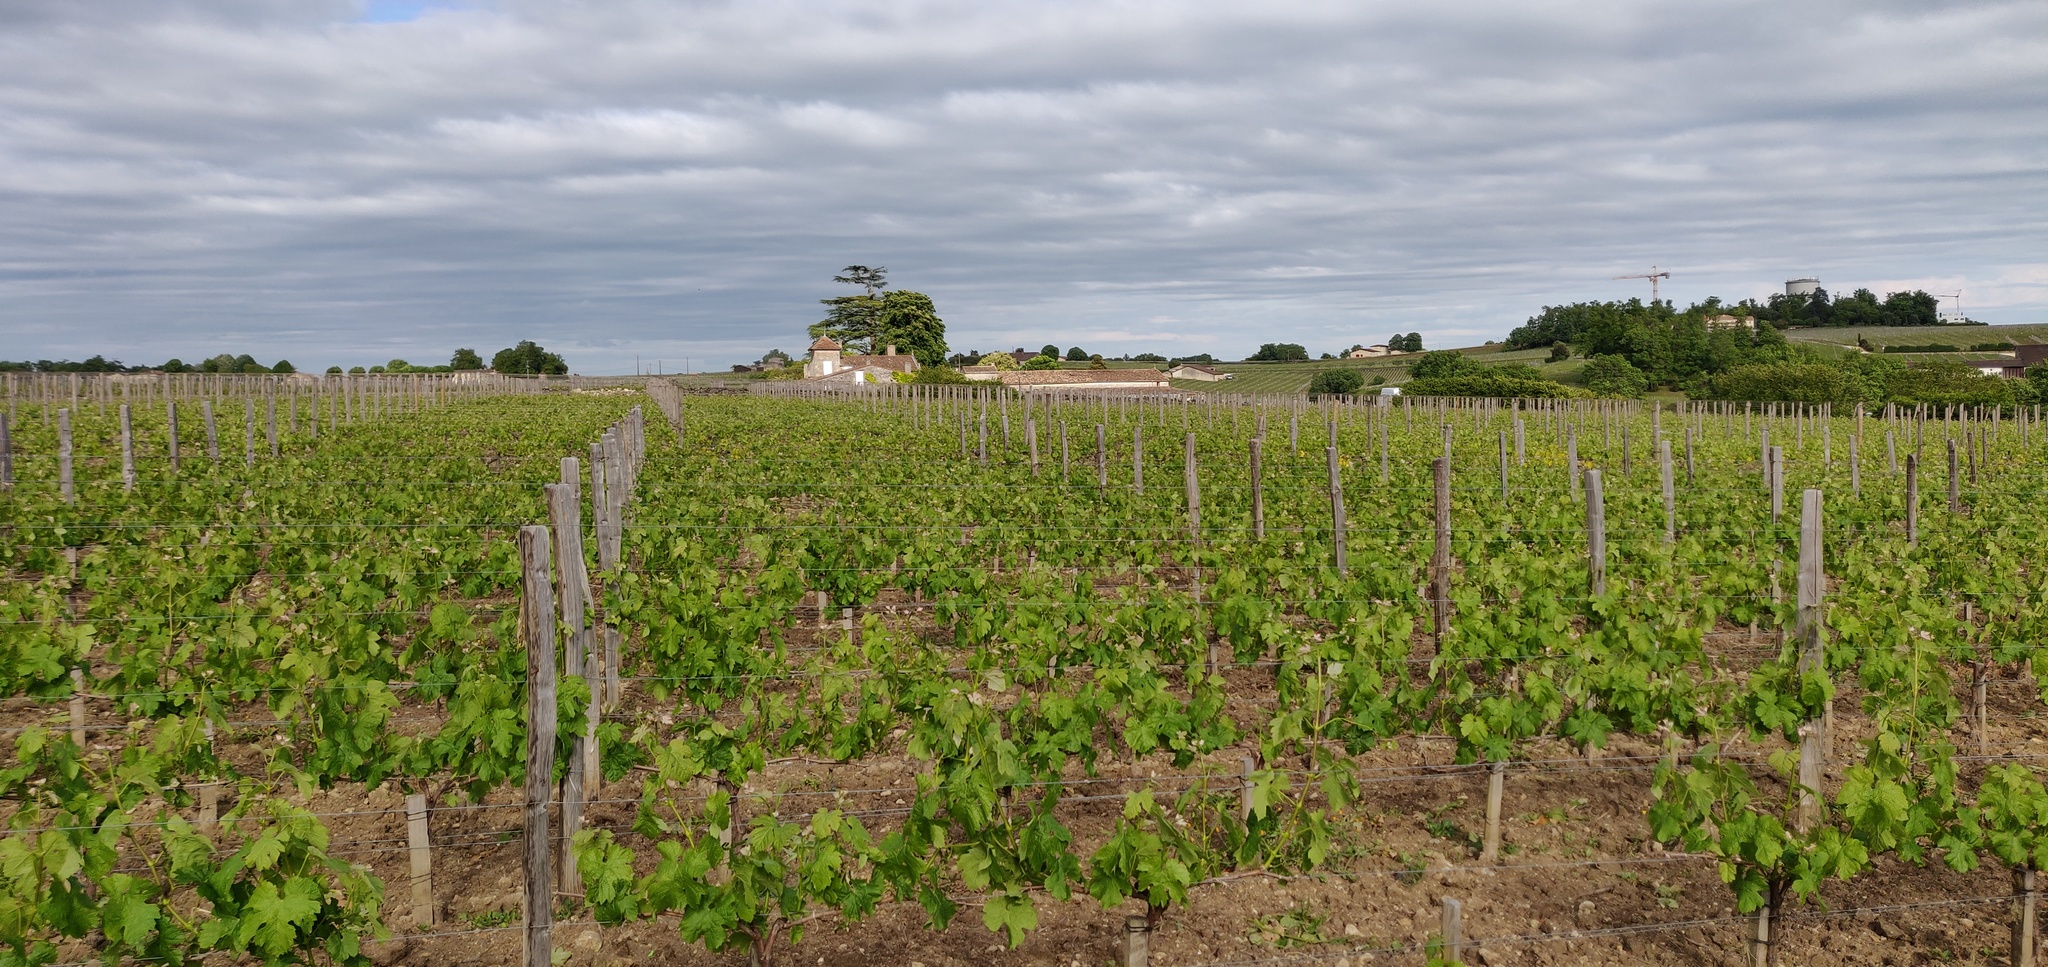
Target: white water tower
<point>1802,287</point>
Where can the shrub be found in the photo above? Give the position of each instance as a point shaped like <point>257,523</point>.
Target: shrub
<point>1501,382</point>
<point>1336,382</point>
<point>1042,362</point>
<point>1614,376</point>
<point>1442,362</point>
<point>999,360</point>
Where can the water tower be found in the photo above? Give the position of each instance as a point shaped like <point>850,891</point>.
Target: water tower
<point>1802,287</point>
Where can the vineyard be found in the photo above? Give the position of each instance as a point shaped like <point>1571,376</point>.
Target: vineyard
<point>426,672</point>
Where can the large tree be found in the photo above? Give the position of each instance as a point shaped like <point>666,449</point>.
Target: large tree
<point>909,321</point>
<point>869,322</point>
<point>527,359</point>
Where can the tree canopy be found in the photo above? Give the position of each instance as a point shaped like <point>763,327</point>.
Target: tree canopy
<point>528,359</point>
<point>464,360</point>
<point>1279,352</point>
<point>1336,382</point>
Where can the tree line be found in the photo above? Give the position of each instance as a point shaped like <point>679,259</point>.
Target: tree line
<point>524,358</point>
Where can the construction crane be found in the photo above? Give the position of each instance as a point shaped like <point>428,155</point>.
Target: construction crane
<point>1653,275</point>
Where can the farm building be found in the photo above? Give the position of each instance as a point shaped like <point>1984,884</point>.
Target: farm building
<point>828,364</point>
<point>1368,352</point>
<point>1202,373</point>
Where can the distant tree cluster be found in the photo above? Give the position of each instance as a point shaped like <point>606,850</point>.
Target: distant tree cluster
<point>1858,308</point>
<point>1410,343</point>
<point>528,359</point>
<point>1279,352</point>
<point>223,363</point>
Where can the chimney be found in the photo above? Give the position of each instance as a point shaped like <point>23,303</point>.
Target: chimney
<point>892,350</point>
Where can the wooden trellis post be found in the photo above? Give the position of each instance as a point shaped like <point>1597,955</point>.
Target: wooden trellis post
<point>1258,490</point>
<point>1101,459</point>
<point>65,487</point>
<point>422,855</point>
<point>1138,458</point>
<point>171,434</point>
<point>1440,558</point>
<point>1336,513</point>
<point>1596,536</point>
<point>127,450</point>
<point>1670,494</point>
<point>1912,498</point>
<point>539,626</point>
<point>1807,629</point>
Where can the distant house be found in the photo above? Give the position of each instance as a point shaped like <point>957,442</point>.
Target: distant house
<point>829,365</point>
<point>1368,352</point>
<point>2006,366</point>
<point>981,374</point>
<point>2032,354</point>
<point>1726,321</point>
<point>1084,380</point>
<point>1191,371</point>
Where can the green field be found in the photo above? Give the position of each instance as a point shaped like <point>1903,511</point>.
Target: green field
<point>1961,336</point>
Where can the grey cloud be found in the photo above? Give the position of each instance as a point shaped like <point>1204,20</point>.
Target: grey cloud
<point>683,178</point>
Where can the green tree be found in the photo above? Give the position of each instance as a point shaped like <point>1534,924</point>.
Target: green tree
<point>1279,352</point>
<point>909,321</point>
<point>528,359</point>
<point>284,366</point>
<point>854,321</point>
<point>355,371</point>
<point>465,360</point>
<point>1336,382</point>
<point>334,371</point>
<point>1443,362</point>
<point>1614,376</point>
<point>999,360</point>
<point>1076,355</point>
<point>1042,362</point>
<point>1049,351</point>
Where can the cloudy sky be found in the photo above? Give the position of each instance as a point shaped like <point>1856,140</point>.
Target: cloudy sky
<point>342,181</point>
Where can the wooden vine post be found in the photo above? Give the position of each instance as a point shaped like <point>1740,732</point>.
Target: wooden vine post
<point>1101,459</point>
<point>1440,557</point>
<point>1138,458</point>
<point>1454,930</point>
<point>1137,941</point>
<point>1258,489</point>
<point>1336,513</point>
<point>566,524</point>
<point>127,450</point>
<point>1192,484</point>
<point>1670,493</point>
<point>171,434</point>
<point>539,625</point>
<point>1496,778</point>
<point>420,846</point>
<point>1955,496</point>
<point>65,487</point>
<point>1912,498</point>
<point>6,452</point>
<point>1774,469</point>
<point>1596,536</point>
<point>2025,913</point>
<point>1807,629</point>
